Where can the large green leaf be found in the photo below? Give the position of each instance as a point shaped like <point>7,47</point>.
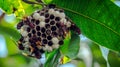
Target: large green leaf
<point>71,46</point>
<point>8,29</point>
<point>97,19</point>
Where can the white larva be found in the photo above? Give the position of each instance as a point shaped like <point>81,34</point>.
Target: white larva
<point>26,39</point>
<point>68,24</point>
<point>24,27</point>
<point>62,15</point>
<point>47,48</point>
<point>50,49</point>
<point>51,11</point>
<point>36,16</point>
<point>57,13</point>
<point>55,40</point>
<point>42,24</point>
<point>63,20</point>
<point>26,44</point>
<point>55,46</point>
<point>24,33</point>
<point>42,18</point>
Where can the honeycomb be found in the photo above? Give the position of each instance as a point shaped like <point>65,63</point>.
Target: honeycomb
<point>44,30</point>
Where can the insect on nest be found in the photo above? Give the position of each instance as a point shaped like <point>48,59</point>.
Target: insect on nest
<point>44,30</point>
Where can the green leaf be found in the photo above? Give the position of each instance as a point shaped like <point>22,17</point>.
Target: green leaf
<point>114,59</point>
<point>9,6</point>
<point>4,5</point>
<point>97,19</point>
<point>30,8</point>
<point>8,29</point>
<point>71,46</point>
<point>11,46</point>
<point>52,58</point>
<point>18,7</point>
<point>47,1</point>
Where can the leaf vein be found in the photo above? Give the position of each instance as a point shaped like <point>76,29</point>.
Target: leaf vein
<point>91,19</point>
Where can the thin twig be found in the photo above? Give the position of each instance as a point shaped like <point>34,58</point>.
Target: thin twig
<point>30,2</point>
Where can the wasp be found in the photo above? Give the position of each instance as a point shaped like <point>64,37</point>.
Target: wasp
<point>73,26</point>
<point>25,21</point>
<point>32,49</point>
<point>63,30</point>
<point>28,22</point>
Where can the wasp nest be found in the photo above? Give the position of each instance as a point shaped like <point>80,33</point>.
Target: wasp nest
<point>44,30</point>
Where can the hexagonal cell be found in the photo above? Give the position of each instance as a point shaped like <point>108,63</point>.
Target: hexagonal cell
<point>33,31</point>
<point>28,29</point>
<point>24,33</point>
<point>52,16</point>
<point>46,11</point>
<point>46,15</point>
<point>20,46</point>
<point>38,34</point>
<point>32,20</point>
<point>52,22</point>
<point>42,14</point>
<point>55,46</point>
<point>55,9</point>
<point>57,18</point>
<point>49,37</point>
<point>42,24</point>
<point>61,10</point>
<point>44,41</point>
<point>61,42</point>
<point>55,40</point>
<point>58,24</point>
<point>51,11</point>
<point>48,32</point>
<point>39,39</point>
<point>41,18</point>
<point>53,28</point>
<point>47,26</point>
<point>42,10</point>
<point>44,35</point>
<point>38,28</point>
<point>19,25</point>
<point>51,6</point>
<point>36,16</point>
<point>37,22</point>
<point>50,43</point>
<point>54,33</point>
<point>29,34</point>
<point>47,20</point>
<point>43,30</point>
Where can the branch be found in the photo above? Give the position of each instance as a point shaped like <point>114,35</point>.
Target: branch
<point>2,16</point>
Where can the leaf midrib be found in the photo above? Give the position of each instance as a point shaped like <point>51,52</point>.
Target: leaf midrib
<point>85,16</point>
